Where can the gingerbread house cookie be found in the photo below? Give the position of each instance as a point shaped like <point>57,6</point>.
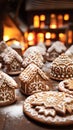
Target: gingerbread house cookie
<point>55,50</point>
<point>33,79</point>
<point>12,59</point>
<point>42,48</point>
<point>61,68</point>
<point>17,47</point>
<point>33,57</point>
<point>7,89</point>
<point>66,86</point>
<point>2,62</point>
<point>2,47</point>
<point>52,107</point>
<point>69,52</point>
<point>35,49</point>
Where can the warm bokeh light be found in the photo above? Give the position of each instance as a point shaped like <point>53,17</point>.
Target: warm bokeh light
<point>52,15</point>
<point>53,21</point>
<point>62,37</point>
<point>11,33</point>
<point>42,24</point>
<point>60,17</point>
<point>60,20</point>
<point>48,42</point>
<point>36,21</point>
<point>40,37</point>
<point>42,17</point>
<point>16,43</point>
<point>53,26</point>
<point>31,40</point>
<point>31,43</point>
<point>48,35</point>
<point>53,35</point>
<point>70,35</point>
<point>66,17</point>
<point>25,35</point>
<point>30,36</point>
<point>5,38</point>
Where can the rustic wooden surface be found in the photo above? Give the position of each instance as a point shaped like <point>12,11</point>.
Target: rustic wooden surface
<point>12,117</point>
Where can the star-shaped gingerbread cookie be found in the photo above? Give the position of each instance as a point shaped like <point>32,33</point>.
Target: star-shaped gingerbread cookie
<point>50,107</point>
<point>66,86</point>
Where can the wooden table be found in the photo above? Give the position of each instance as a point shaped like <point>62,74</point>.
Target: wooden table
<point>12,117</point>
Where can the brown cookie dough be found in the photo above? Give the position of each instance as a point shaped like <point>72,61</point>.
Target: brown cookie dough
<point>53,108</point>
<point>66,86</point>
<point>33,79</point>
<point>7,89</point>
<point>61,68</point>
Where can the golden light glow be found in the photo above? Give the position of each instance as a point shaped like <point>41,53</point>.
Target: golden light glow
<point>66,17</point>
<point>31,43</point>
<point>42,25</point>
<point>60,17</point>
<point>60,20</point>
<point>5,38</point>
<point>48,35</point>
<point>16,43</point>
<point>11,32</point>
<point>31,39</point>
<point>36,21</point>
<point>40,37</point>
<point>42,17</point>
<point>26,35</point>
<point>53,21</point>
<point>53,35</point>
<point>70,37</point>
<point>52,15</point>
<point>53,26</point>
<point>48,42</point>
<point>24,46</point>
<point>30,36</point>
<point>62,37</point>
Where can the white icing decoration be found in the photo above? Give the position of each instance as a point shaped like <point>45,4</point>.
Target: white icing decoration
<point>9,54</point>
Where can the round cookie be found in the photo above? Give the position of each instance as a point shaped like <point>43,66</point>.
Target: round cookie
<point>52,108</point>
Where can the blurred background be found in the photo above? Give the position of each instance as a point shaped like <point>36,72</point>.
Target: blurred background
<point>29,22</point>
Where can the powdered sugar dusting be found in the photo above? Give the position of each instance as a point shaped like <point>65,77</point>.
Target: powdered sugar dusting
<point>9,54</point>
<point>9,80</point>
<point>12,111</point>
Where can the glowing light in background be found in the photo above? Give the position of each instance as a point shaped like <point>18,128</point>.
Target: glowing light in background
<point>66,17</point>
<point>36,22</point>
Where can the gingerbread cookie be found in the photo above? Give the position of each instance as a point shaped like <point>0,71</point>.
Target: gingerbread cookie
<point>69,52</point>
<point>11,58</point>
<point>7,89</point>
<point>33,79</point>
<point>40,48</point>
<point>0,65</point>
<point>61,68</point>
<point>66,86</point>
<point>33,57</point>
<point>55,50</point>
<point>53,108</point>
